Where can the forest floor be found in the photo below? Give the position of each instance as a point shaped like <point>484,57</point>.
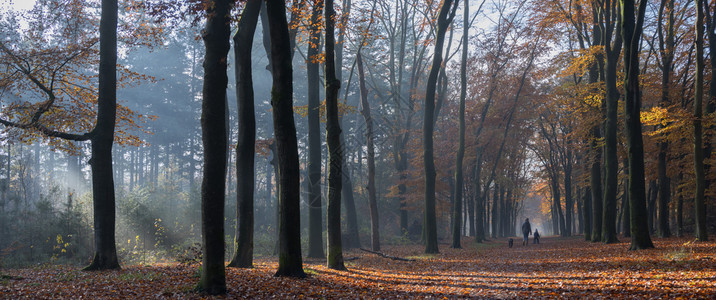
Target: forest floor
<point>556,268</point>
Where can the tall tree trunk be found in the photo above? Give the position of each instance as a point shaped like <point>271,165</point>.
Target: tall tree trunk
<point>631,31</point>
<point>666,47</point>
<point>699,200</point>
<point>315,222</point>
<point>431,235</point>
<point>365,110</point>
<point>459,186</point>
<point>245,147</point>
<point>213,126</point>
<point>352,236</point>
<point>102,138</point>
<point>335,149</point>
<point>290,261</point>
<point>595,170</point>
<point>611,169</point>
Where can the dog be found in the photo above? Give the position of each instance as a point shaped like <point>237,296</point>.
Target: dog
<point>510,243</point>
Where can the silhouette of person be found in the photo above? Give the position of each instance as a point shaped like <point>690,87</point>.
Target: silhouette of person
<point>526,231</point>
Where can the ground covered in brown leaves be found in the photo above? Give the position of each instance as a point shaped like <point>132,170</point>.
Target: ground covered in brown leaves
<point>557,268</point>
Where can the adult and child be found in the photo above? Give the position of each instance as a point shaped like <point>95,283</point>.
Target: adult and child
<point>527,231</point>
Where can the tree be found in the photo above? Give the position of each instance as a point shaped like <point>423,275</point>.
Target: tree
<point>631,31</point>
<point>447,12</point>
<point>245,148</point>
<point>101,136</point>
<point>315,223</point>
<point>335,148</point>
<point>595,169</point>
<point>213,129</point>
<point>699,200</point>
<point>290,261</point>
<point>372,201</point>
<point>352,236</point>
<point>611,163</point>
<point>667,48</point>
<point>459,186</point>
<point>430,225</point>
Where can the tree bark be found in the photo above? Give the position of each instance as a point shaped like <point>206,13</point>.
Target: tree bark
<point>102,138</point>
<point>666,47</point>
<point>335,149</point>
<point>459,186</point>
<point>631,31</point>
<point>608,232</point>
<point>365,110</point>
<point>699,200</point>
<point>352,236</point>
<point>245,147</point>
<point>315,221</point>
<point>626,223</point>
<point>431,236</point>
<point>213,126</point>
<point>290,260</point>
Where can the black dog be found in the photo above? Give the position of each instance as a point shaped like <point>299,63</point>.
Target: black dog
<point>509,244</point>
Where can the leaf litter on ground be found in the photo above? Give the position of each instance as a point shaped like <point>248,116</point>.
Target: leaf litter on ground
<point>556,268</point>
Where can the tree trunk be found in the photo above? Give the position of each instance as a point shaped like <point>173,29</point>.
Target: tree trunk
<point>651,197</point>
<point>680,209</point>
<point>290,260</point>
<point>595,183</point>
<point>699,200</point>
<point>457,205</point>
<point>626,223</point>
<point>631,32</point>
<point>580,210</point>
<point>365,110</point>
<point>568,199</point>
<point>479,202</point>
<point>608,232</point>
<point>352,236</point>
<point>335,149</point>
<point>587,214</point>
<point>494,222</point>
<point>213,126</point>
<point>245,147</point>
<point>102,137</point>
<point>666,47</point>
<point>315,221</point>
<point>431,235</point>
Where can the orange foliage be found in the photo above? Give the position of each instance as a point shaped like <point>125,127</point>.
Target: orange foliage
<point>52,70</point>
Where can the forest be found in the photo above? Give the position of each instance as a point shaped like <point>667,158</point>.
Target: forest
<point>357,149</point>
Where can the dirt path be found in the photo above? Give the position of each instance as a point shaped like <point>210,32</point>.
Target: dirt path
<point>556,268</point>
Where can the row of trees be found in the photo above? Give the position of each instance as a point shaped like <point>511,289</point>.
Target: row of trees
<point>660,44</point>
<point>525,125</point>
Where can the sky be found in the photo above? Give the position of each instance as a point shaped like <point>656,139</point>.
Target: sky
<point>17,4</point>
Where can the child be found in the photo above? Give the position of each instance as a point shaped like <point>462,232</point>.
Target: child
<point>536,236</point>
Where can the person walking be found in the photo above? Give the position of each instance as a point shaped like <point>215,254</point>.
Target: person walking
<point>526,231</point>
<point>536,237</point>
